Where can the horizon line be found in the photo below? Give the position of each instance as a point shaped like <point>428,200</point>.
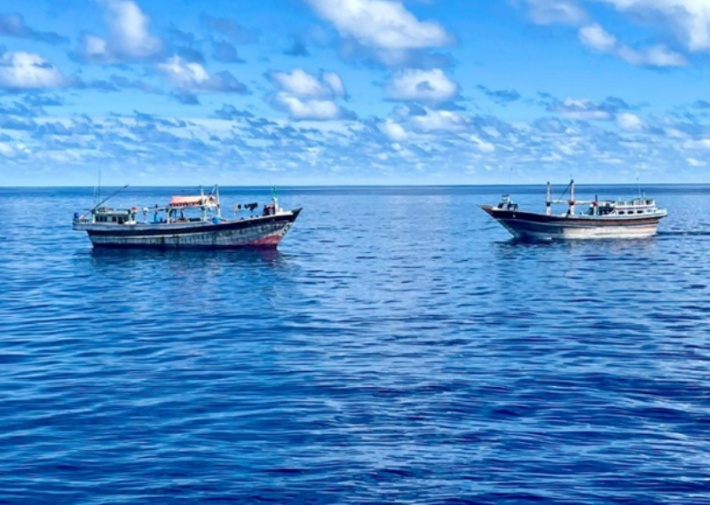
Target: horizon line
<point>354,185</point>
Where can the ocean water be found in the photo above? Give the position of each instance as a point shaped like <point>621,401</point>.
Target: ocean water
<point>397,348</point>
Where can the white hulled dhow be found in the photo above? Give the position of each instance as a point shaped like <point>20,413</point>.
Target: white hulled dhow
<point>634,218</point>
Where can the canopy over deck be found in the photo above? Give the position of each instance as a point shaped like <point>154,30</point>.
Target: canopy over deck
<point>193,201</point>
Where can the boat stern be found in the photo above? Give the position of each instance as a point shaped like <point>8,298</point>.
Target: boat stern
<point>79,222</point>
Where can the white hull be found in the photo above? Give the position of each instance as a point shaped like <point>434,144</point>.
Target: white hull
<point>534,226</point>
<point>605,219</point>
<point>555,232</point>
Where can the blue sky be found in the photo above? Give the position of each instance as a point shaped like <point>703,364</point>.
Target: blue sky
<point>302,92</point>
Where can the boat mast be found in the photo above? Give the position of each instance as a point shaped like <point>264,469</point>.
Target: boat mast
<point>108,198</point>
<point>571,197</point>
<point>548,201</point>
<point>203,208</point>
<point>97,190</point>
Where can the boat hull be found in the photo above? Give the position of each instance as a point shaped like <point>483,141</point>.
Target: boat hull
<point>256,232</point>
<point>543,227</point>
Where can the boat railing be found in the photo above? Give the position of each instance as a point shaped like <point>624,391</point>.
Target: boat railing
<point>507,203</point>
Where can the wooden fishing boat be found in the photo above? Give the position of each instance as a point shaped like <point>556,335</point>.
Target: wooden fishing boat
<point>187,222</point>
<point>634,218</point>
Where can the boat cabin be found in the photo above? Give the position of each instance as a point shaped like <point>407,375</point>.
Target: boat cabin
<point>622,208</point>
<point>181,209</point>
<point>114,216</point>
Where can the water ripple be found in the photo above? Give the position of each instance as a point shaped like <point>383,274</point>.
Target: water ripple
<point>399,348</point>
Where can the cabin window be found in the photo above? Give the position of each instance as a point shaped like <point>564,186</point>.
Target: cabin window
<point>639,212</point>
<point>622,212</point>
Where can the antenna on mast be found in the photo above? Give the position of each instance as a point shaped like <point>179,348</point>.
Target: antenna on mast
<point>97,189</point>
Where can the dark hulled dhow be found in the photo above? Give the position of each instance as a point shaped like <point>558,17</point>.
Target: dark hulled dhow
<point>186,222</point>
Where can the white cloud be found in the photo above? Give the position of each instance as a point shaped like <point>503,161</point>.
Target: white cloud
<point>183,74</point>
<point>304,85</point>
<point>690,18</point>
<point>581,110</point>
<point>410,123</point>
<point>482,145</point>
<point>629,122</point>
<point>315,110</point>
<point>698,144</point>
<point>190,77</point>
<point>352,149</point>
<point>95,48</point>
<point>695,162</point>
<point>596,37</point>
<point>545,12</point>
<point>128,26</point>
<point>335,83</point>
<point>6,150</point>
<point>393,130</point>
<point>24,71</point>
<point>11,151</point>
<point>385,26</point>
<point>305,96</point>
<point>656,56</point>
<point>674,133</point>
<point>129,38</point>
<point>491,131</point>
<point>438,120</point>
<point>422,85</point>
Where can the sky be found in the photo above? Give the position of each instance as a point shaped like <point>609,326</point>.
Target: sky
<point>337,92</point>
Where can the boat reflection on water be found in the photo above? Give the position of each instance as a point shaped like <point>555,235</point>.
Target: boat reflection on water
<point>523,248</point>
<point>233,258</point>
<point>187,284</point>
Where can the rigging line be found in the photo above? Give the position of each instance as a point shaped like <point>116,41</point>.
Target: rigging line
<point>108,197</point>
<point>565,191</point>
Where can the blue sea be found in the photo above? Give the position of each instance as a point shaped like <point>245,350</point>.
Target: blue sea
<point>399,347</point>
